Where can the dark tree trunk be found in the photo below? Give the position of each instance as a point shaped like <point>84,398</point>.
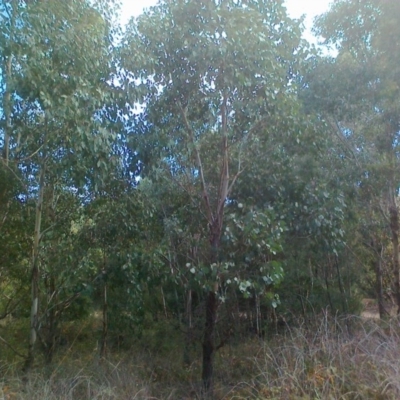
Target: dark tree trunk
<point>328,288</point>
<point>378,249</point>
<point>379,289</point>
<point>7,107</point>
<point>394,228</point>
<point>34,316</point>
<point>345,306</point>
<point>258,314</point>
<point>208,341</point>
<point>35,273</point>
<point>103,348</point>
<point>189,327</point>
<point>211,318</point>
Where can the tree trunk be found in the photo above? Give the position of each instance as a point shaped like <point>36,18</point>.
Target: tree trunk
<point>7,107</point>
<point>378,250</point>
<point>208,342</point>
<point>7,78</point>
<point>394,228</point>
<point>164,303</point>
<point>35,273</point>
<point>215,220</point>
<point>211,315</point>
<point>50,343</point>
<point>328,289</point>
<point>258,315</point>
<point>189,333</point>
<point>103,349</point>
<point>345,305</point>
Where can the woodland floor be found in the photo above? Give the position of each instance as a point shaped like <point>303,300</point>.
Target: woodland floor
<point>328,358</point>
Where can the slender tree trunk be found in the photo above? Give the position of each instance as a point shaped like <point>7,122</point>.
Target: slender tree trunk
<point>343,293</point>
<point>215,218</point>
<point>258,314</point>
<point>394,228</point>
<point>216,225</point>
<point>208,342</point>
<point>379,288</point>
<point>35,273</point>
<point>51,323</point>
<point>211,300</point>
<point>378,250</point>
<point>189,329</point>
<point>328,290</point>
<point>52,312</point>
<point>7,107</point>
<point>103,349</point>
<point>211,318</point>
<point>7,77</point>
<point>164,303</point>
<point>300,294</point>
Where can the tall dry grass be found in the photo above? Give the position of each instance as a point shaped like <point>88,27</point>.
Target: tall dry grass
<point>335,358</point>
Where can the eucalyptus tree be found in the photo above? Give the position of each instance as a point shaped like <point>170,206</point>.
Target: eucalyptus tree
<point>302,180</point>
<point>57,69</point>
<point>357,92</point>
<point>14,245</point>
<point>216,78</point>
<point>11,182</point>
<point>10,12</point>
<point>121,233</point>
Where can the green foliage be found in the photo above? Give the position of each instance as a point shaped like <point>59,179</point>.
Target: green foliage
<point>255,169</point>
<point>198,61</point>
<point>356,93</point>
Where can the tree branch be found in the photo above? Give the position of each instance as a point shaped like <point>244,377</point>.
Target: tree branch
<point>200,165</point>
<point>224,179</point>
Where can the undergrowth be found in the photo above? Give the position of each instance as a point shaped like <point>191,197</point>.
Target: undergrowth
<point>333,359</point>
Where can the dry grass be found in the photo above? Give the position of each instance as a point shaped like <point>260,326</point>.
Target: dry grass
<point>338,359</point>
<point>335,359</point>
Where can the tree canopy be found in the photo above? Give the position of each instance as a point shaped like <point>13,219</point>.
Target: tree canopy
<point>203,166</point>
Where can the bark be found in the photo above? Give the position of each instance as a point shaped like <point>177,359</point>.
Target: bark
<point>214,213</point>
<point>53,312</point>
<point>258,315</point>
<point>208,342</point>
<point>211,318</point>
<point>345,306</point>
<point>51,325</point>
<point>216,225</point>
<point>7,77</point>
<point>164,303</point>
<point>394,228</point>
<point>378,251</point>
<point>379,288</point>
<point>189,330</point>
<point>35,273</point>
<point>7,107</point>
<point>300,294</point>
<point>328,290</point>
<point>103,349</point>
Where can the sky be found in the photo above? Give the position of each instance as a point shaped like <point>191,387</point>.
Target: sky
<point>296,8</point>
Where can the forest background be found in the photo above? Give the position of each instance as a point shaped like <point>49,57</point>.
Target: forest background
<point>198,204</point>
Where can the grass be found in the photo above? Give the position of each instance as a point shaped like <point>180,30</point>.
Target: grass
<point>332,359</point>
